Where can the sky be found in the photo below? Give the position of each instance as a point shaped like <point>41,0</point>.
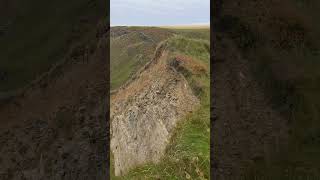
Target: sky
<point>159,12</point>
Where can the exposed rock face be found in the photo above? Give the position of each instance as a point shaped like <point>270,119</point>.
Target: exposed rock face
<point>145,112</point>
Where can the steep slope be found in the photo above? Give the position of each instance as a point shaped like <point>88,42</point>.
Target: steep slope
<point>144,113</point>
<point>159,114</point>
<point>130,49</point>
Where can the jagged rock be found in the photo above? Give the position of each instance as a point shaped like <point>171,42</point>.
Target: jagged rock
<point>141,127</point>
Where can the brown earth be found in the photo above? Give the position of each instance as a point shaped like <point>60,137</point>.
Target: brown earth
<point>145,111</point>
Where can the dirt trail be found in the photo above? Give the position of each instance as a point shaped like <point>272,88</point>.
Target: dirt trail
<point>246,129</point>
<point>57,129</point>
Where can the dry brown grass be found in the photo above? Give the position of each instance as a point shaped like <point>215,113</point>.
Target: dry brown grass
<point>196,67</point>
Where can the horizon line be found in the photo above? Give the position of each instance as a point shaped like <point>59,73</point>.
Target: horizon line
<point>164,25</point>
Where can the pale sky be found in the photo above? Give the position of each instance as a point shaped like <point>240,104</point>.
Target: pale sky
<point>159,12</point>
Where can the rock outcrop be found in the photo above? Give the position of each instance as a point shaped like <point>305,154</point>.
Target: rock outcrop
<point>145,112</point>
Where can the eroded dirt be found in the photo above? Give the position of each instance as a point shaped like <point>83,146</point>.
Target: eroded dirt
<point>145,111</point>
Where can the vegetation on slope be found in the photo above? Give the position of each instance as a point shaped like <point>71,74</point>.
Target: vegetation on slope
<point>188,155</point>
<point>202,33</point>
<point>132,49</point>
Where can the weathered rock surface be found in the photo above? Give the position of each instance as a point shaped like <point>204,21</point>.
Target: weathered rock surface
<point>145,112</point>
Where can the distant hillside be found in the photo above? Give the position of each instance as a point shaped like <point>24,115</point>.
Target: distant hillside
<point>132,47</point>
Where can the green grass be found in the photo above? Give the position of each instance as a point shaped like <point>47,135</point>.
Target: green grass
<point>41,34</point>
<point>130,52</point>
<point>194,33</point>
<point>188,154</point>
<point>197,48</point>
<point>189,151</point>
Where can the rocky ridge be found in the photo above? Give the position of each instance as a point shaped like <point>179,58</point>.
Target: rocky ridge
<point>145,111</point>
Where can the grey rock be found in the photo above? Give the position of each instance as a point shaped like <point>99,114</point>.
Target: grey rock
<point>141,128</point>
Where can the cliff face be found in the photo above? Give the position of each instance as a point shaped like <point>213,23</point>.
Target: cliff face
<point>145,111</point>
<point>56,128</point>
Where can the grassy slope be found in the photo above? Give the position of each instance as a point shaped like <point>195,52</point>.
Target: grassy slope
<point>188,154</point>
<point>202,33</point>
<point>131,51</point>
<point>290,76</point>
<point>125,60</point>
<point>40,34</point>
